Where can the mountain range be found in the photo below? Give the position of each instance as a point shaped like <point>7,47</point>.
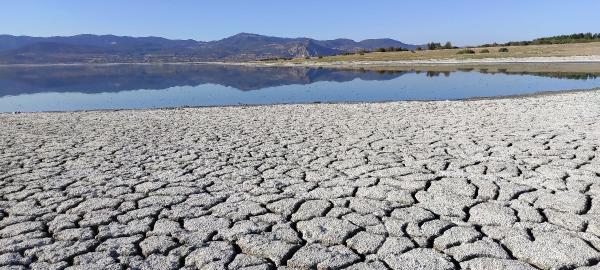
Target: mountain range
<point>122,49</point>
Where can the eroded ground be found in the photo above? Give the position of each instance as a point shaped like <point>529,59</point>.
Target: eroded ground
<point>492,184</point>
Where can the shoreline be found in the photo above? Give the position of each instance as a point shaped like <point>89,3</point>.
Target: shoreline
<point>441,62</point>
<point>542,93</point>
<point>401,63</point>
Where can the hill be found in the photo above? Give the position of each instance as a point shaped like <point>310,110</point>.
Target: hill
<point>552,50</point>
<point>109,48</point>
<point>561,39</point>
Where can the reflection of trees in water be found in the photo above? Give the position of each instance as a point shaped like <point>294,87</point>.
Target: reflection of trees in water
<point>557,75</point>
<point>438,73</point>
<point>432,73</point>
<point>388,71</point>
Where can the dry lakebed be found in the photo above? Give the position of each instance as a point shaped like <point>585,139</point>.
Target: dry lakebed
<point>511,183</point>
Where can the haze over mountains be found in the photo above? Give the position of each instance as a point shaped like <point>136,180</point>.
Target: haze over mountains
<point>121,49</point>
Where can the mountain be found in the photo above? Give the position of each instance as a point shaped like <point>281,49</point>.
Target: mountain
<point>8,42</point>
<point>245,46</point>
<point>348,45</point>
<point>109,48</point>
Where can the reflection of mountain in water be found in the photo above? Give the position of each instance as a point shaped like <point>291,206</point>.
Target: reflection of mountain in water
<point>114,78</point>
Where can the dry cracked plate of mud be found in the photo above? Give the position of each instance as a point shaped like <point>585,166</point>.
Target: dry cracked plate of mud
<point>490,184</point>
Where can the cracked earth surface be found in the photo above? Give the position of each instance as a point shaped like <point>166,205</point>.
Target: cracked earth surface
<point>491,184</point>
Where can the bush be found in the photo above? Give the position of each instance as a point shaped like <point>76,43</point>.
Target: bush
<point>503,50</point>
<point>419,49</point>
<point>466,51</point>
<point>484,51</point>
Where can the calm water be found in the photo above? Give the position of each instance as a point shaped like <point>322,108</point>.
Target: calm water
<point>70,88</point>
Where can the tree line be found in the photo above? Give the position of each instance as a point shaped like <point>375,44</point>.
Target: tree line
<point>561,39</point>
<point>439,46</point>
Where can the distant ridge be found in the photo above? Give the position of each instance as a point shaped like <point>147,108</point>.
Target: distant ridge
<point>110,48</point>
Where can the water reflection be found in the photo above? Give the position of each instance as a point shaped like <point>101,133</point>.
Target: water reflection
<point>96,79</point>
<point>66,88</point>
<point>115,78</point>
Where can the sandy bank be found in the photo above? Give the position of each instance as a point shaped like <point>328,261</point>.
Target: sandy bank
<point>490,61</point>
<point>487,61</point>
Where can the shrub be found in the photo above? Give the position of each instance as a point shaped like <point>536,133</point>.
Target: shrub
<point>448,45</point>
<point>466,51</point>
<point>419,49</point>
<point>503,50</point>
<point>484,51</point>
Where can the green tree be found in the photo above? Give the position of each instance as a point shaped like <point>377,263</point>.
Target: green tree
<point>434,46</point>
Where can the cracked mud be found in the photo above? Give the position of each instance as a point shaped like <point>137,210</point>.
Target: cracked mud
<point>491,184</point>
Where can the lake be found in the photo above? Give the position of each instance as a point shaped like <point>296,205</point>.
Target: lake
<point>90,87</point>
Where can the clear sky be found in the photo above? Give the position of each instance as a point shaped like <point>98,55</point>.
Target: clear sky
<point>463,22</point>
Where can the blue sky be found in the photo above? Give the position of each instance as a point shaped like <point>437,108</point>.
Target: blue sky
<point>460,21</point>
